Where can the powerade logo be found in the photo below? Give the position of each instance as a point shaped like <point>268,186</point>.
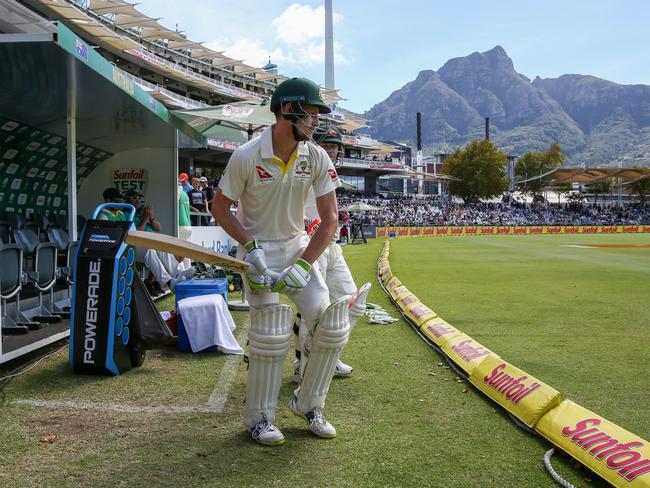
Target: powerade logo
<point>90,330</point>
<point>81,49</point>
<point>103,238</point>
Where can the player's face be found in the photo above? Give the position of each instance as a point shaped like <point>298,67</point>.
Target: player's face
<point>308,123</point>
<point>331,149</point>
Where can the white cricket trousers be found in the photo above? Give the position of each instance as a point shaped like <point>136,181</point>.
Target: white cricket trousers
<point>312,300</point>
<point>336,273</point>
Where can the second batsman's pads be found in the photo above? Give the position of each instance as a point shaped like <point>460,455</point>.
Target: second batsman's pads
<point>329,337</point>
<point>269,339</point>
<point>358,305</point>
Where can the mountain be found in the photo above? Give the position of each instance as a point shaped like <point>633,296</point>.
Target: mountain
<point>596,122</point>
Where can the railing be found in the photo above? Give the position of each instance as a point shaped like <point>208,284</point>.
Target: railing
<point>373,164</point>
<point>219,86</point>
<point>183,101</point>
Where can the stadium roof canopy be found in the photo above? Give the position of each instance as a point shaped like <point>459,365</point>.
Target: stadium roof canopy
<point>591,175</point>
<point>57,83</point>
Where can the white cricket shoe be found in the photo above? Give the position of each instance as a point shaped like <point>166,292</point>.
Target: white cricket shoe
<point>316,422</point>
<point>266,433</point>
<point>342,369</point>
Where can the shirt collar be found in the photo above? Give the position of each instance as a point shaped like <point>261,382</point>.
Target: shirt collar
<point>266,143</point>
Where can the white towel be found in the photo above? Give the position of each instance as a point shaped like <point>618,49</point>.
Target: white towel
<point>208,323</point>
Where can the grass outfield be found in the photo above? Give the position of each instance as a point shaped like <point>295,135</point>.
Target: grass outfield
<point>555,312</point>
<point>576,318</point>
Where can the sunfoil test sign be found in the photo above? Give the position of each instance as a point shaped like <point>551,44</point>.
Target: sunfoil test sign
<point>130,179</point>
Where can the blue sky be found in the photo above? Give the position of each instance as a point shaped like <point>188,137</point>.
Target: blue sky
<point>381,44</point>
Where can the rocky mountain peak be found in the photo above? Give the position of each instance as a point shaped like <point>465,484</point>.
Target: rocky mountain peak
<point>525,115</point>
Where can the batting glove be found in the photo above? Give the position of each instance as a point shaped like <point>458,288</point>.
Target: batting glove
<point>257,274</point>
<point>294,277</point>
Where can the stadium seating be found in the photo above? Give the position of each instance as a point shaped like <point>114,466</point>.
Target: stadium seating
<point>43,257</point>
<point>11,272</point>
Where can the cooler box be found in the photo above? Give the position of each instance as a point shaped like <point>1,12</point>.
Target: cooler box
<point>193,288</point>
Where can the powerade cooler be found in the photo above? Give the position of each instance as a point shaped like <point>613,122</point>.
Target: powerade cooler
<point>192,288</point>
<point>103,338</point>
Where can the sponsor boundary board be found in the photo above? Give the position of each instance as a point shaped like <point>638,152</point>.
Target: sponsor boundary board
<point>620,457</point>
<point>499,230</point>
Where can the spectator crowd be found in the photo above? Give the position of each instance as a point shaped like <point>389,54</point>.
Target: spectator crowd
<point>410,211</point>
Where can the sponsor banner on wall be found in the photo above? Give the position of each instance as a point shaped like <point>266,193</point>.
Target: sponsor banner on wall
<point>619,456</point>
<point>213,237</point>
<point>526,397</point>
<point>495,230</point>
<point>127,179</point>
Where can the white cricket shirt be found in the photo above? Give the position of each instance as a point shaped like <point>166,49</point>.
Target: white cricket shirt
<point>272,195</point>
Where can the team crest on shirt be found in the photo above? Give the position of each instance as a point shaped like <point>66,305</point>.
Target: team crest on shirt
<point>262,174</point>
<point>303,169</point>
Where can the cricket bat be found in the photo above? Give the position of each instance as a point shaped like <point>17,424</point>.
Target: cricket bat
<point>179,247</point>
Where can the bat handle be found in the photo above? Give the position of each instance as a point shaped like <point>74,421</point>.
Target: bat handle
<point>271,273</point>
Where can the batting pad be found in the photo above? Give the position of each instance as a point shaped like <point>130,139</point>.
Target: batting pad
<point>358,305</point>
<point>329,338</point>
<point>269,339</point>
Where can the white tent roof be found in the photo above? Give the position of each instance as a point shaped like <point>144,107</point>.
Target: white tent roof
<point>104,7</point>
<point>174,44</point>
<point>124,20</point>
<point>160,32</point>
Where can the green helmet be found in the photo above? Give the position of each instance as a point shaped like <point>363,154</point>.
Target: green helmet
<point>300,90</point>
<point>327,134</point>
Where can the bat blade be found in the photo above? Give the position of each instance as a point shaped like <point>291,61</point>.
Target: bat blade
<point>179,247</point>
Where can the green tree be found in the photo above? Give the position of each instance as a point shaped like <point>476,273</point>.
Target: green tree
<point>641,188</point>
<point>535,164</point>
<point>480,171</point>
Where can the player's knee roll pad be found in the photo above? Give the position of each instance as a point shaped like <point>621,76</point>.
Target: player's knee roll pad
<point>329,337</point>
<point>269,338</point>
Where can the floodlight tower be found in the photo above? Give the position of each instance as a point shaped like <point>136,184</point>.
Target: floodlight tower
<point>329,46</point>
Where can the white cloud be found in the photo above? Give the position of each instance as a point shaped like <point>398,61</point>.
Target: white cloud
<point>299,24</point>
<point>254,52</point>
<point>299,41</point>
<point>314,53</point>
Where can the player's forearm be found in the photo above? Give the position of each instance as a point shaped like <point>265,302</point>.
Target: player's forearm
<point>223,216</point>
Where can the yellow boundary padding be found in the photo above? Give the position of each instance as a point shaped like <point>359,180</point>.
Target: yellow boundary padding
<point>620,457</point>
<point>498,230</point>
